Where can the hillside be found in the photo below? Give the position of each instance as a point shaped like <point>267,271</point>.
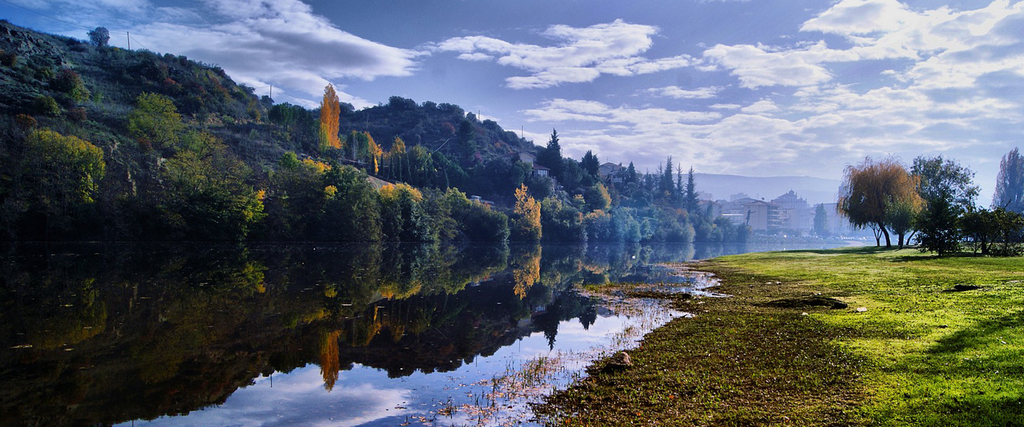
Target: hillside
<point>103,143</point>
<point>162,147</point>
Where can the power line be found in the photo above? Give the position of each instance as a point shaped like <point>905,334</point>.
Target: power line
<point>45,15</point>
<point>69,22</point>
<point>137,42</point>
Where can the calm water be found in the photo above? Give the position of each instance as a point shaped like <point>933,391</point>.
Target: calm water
<point>310,335</point>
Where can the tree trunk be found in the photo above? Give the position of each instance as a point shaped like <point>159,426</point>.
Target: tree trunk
<point>899,241</point>
<point>888,241</point>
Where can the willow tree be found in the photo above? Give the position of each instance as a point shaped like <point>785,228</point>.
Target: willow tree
<point>872,189</point>
<point>330,110</point>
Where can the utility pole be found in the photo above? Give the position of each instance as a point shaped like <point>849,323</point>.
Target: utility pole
<point>271,92</point>
<point>129,39</point>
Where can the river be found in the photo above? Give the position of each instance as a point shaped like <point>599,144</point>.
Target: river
<point>326,335</point>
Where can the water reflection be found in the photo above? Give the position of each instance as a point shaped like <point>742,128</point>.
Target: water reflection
<point>101,334</point>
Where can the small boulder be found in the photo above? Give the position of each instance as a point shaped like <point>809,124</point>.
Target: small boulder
<point>618,362</point>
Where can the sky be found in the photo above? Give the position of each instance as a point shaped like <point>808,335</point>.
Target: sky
<point>755,87</point>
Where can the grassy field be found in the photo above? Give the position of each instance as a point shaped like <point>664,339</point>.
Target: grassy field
<point>907,351</point>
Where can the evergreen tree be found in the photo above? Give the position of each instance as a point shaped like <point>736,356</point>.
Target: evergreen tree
<point>690,201</point>
<point>666,186</point>
<point>631,175</point>
<point>820,220</point>
<point>590,164</point>
<point>551,156</point>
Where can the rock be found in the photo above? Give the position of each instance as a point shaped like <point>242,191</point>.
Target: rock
<point>617,362</point>
<point>621,359</point>
<point>862,309</point>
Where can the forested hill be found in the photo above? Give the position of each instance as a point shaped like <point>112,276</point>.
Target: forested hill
<point>127,119</point>
<point>105,143</point>
<point>114,78</point>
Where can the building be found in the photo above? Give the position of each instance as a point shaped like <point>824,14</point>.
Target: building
<point>539,170</point>
<point>611,172</point>
<point>799,215</point>
<point>758,214</point>
<point>712,208</point>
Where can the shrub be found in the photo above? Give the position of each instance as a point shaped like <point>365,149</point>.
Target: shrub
<point>8,59</point>
<point>46,105</point>
<point>25,122</point>
<point>77,114</point>
<point>69,82</point>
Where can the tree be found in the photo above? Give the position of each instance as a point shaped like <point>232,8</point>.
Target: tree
<point>690,201</point>
<point>820,220</point>
<point>551,156</point>
<point>870,188</point>
<point>666,187</point>
<point>631,175</point>
<point>948,191</point>
<point>597,197</point>
<point>99,36</point>
<point>1010,183</point>
<point>207,196</point>
<point>329,119</point>
<point>61,173</point>
<point>525,216</point>
<point>402,218</point>
<point>940,177</point>
<point>155,122</point>
<point>900,215</point>
<point>979,229</point>
<point>938,227</point>
<point>590,164</point>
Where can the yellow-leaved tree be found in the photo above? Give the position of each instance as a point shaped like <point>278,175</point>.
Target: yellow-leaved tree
<point>330,110</point>
<point>526,217</point>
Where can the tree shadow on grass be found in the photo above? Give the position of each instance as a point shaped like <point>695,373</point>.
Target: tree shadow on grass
<point>981,333</point>
<point>857,250</point>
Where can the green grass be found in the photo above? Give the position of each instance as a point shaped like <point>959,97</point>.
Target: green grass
<point>918,356</point>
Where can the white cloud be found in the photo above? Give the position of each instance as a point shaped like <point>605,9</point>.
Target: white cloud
<point>580,55</point>
<point>758,66</point>
<point>258,42</point>
<point>562,110</point>
<point>725,106</point>
<point>680,93</point>
<point>760,107</point>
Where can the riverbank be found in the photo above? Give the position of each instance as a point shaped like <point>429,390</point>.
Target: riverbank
<point>915,345</point>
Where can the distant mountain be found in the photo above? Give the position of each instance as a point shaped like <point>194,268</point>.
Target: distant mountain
<point>814,190</point>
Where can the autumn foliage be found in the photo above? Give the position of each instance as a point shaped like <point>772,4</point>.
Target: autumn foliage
<point>526,216</point>
<point>872,189</point>
<point>330,110</point>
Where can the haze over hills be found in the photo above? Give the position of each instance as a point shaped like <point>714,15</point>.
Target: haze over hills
<point>814,190</point>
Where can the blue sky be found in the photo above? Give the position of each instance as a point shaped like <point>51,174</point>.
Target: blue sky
<point>757,88</point>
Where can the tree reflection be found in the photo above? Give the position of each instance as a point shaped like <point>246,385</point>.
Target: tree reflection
<point>128,332</point>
